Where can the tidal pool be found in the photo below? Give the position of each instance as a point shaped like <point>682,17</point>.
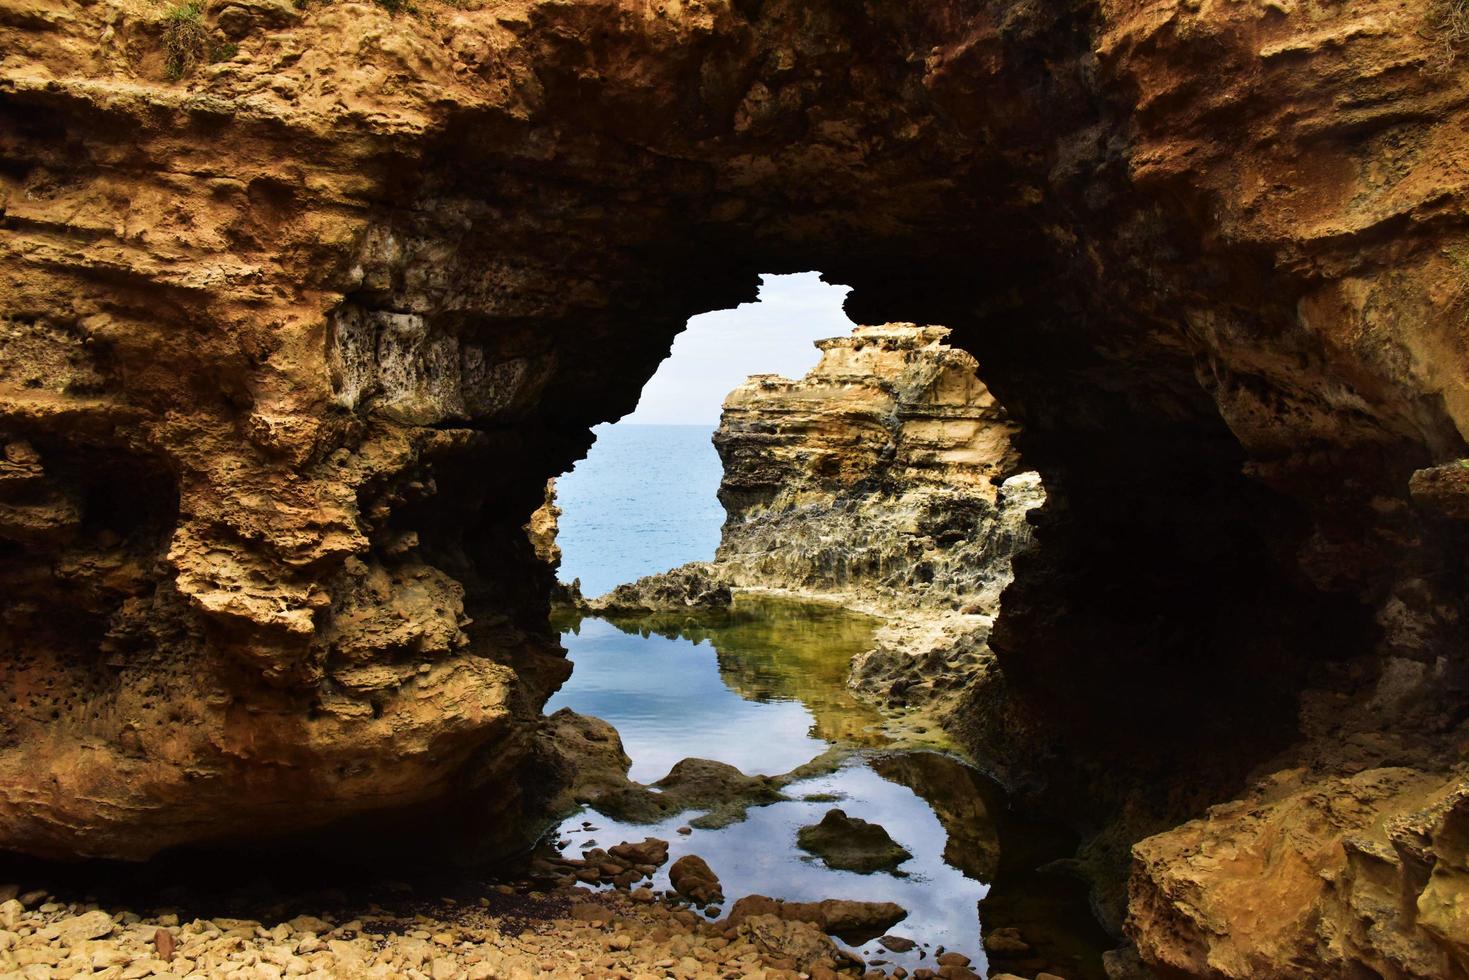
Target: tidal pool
<point>762,687</point>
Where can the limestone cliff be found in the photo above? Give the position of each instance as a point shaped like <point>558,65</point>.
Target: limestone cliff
<point>888,471</point>
<point>302,305</point>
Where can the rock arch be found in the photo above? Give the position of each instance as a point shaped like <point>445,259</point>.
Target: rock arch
<point>357,289</point>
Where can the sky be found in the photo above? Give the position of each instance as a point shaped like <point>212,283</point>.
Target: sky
<point>720,349</point>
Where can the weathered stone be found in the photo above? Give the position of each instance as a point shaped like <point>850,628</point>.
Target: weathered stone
<point>89,925</point>
<point>692,878</point>
<point>878,473</point>
<point>852,844</point>
<point>695,586</point>
<point>651,851</point>
<point>853,921</point>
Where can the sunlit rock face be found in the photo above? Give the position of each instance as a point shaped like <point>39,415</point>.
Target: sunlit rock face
<point>888,471</point>
<point>291,343</point>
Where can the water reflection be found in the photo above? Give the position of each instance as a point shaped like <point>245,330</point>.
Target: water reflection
<point>762,687</point>
<point>759,857</point>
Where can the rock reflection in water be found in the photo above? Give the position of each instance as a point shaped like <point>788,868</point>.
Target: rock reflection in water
<point>762,686</point>
<point>1017,854</point>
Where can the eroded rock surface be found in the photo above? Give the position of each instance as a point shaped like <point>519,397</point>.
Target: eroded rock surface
<point>852,844</point>
<point>695,586</point>
<point>888,471</point>
<point>301,310</point>
<point>854,921</point>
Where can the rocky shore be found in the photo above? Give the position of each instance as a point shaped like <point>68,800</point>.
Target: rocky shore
<point>550,926</point>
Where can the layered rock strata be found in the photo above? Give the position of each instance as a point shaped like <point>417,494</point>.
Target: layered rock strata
<point>889,471</point>
<point>887,479</point>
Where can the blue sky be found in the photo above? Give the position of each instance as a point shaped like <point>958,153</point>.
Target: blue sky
<point>721,349</point>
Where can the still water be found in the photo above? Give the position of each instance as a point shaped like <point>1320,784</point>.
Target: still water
<point>763,687</point>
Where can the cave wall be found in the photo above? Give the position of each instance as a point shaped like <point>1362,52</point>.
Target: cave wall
<point>292,342</point>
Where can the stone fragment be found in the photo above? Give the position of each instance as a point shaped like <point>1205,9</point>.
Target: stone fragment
<point>651,851</point>
<point>1444,490</point>
<point>854,921</point>
<point>692,878</point>
<point>89,925</point>
<point>852,844</point>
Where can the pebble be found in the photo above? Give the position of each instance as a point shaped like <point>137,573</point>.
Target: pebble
<point>652,939</point>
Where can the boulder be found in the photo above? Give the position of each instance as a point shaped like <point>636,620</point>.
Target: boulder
<point>852,844</point>
<point>692,878</point>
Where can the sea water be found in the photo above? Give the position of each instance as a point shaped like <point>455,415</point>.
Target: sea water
<point>643,501</point>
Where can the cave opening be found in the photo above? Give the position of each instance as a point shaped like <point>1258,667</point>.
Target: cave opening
<point>644,498</point>
<point>766,681</point>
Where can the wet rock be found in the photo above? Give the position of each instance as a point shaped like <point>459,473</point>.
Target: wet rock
<point>703,782</point>
<point>651,851</point>
<point>852,844</point>
<point>855,922</point>
<point>696,585</point>
<point>693,784</point>
<point>692,878</point>
<point>898,944</point>
<point>584,757</point>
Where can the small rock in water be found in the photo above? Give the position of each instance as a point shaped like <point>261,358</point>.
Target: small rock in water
<point>695,880</point>
<point>651,851</point>
<point>686,830</point>
<point>852,844</point>
<point>898,944</point>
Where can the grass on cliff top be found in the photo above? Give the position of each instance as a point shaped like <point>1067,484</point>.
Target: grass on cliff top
<point>1448,31</point>
<point>185,39</point>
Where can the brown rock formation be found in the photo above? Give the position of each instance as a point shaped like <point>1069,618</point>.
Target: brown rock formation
<point>888,471</point>
<point>291,341</point>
